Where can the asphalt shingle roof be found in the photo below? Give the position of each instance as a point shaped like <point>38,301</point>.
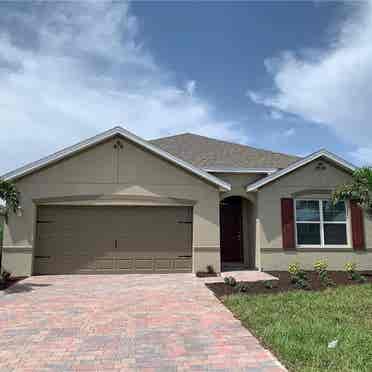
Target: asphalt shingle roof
<point>205,152</point>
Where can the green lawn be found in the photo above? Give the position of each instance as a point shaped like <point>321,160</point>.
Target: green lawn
<point>297,327</point>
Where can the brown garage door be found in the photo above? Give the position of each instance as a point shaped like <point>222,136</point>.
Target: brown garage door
<point>121,239</point>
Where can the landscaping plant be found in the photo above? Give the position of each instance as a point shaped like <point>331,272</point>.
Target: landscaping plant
<point>350,268</point>
<point>230,280</point>
<point>241,287</point>
<point>321,267</point>
<point>10,195</point>
<point>298,276</point>
<point>359,189</point>
<point>268,284</point>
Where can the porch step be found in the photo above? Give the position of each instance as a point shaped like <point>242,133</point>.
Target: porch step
<point>235,266</point>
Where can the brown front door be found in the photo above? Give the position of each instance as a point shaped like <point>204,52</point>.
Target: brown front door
<point>231,229</point>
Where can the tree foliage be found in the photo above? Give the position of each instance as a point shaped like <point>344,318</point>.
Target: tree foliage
<point>10,194</point>
<point>359,189</point>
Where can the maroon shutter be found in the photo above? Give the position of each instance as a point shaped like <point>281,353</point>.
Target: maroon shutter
<point>357,225</point>
<point>288,228</point>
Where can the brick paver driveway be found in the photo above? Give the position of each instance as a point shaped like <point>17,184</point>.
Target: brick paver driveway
<point>130,322</point>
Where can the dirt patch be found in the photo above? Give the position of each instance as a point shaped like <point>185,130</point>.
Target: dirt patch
<point>284,284</point>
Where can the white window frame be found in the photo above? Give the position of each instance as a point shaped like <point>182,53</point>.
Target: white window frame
<point>321,222</point>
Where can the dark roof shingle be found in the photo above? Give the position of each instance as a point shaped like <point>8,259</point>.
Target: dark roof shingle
<point>207,152</point>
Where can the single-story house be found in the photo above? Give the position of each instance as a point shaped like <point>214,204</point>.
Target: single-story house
<point>116,203</point>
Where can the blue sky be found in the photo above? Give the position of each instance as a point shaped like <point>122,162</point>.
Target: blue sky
<point>287,76</point>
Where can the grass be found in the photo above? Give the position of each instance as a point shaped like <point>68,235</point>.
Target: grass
<point>297,326</point>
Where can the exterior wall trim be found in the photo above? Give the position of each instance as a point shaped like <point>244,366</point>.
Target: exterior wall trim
<point>240,170</point>
<point>116,131</point>
<point>18,249</point>
<point>316,155</point>
<point>112,200</point>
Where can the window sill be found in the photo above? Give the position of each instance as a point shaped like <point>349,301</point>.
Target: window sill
<point>325,249</point>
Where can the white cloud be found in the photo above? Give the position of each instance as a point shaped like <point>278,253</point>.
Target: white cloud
<point>70,70</point>
<point>190,87</point>
<point>363,155</point>
<point>275,115</point>
<point>330,87</point>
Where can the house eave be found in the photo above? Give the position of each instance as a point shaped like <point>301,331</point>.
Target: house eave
<point>116,131</point>
<point>240,170</point>
<point>255,186</point>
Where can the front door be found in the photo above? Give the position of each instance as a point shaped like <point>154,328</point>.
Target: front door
<point>231,229</point>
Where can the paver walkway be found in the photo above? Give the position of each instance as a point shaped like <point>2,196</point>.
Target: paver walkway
<point>128,323</point>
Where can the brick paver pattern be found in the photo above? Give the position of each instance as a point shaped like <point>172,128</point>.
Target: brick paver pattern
<point>123,322</point>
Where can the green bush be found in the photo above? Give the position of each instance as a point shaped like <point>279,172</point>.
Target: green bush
<point>298,276</point>
<point>321,267</point>
<point>241,287</point>
<point>268,284</point>
<point>230,280</point>
<point>358,277</point>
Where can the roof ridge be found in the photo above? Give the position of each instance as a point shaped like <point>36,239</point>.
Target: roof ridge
<point>227,142</point>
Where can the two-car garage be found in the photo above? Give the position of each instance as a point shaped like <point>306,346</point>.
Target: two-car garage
<point>113,204</point>
<point>113,239</point>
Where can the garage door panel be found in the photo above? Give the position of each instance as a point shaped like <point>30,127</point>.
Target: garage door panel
<point>163,264</point>
<point>113,240</point>
<point>143,264</point>
<point>124,265</point>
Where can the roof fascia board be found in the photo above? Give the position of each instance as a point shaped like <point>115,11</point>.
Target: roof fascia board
<point>240,170</point>
<point>316,155</point>
<point>32,167</point>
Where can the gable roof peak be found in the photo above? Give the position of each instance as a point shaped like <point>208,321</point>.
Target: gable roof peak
<point>92,141</point>
<point>322,153</point>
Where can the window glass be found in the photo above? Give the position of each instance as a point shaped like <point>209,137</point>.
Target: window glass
<point>308,233</point>
<point>333,212</point>
<point>307,210</point>
<point>335,234</point>
<point>321,227</point>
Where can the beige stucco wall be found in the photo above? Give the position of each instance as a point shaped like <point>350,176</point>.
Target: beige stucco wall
<point>104,171</point>
<point>304,182</point>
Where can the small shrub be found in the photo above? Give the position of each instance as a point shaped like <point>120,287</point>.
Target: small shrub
<point>302,283</point>
<point>358,277</point>
<point>294,268</point>
<point>242,287</point>
<point>230,280</point>
<point>268,284</point>
<point>321,265</point>
<point>298,276</point>
<point>350,267</point>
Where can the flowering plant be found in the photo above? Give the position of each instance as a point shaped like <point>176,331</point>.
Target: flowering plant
<point>350,267</point>
<point>294,268</point>
<point>321,265</point>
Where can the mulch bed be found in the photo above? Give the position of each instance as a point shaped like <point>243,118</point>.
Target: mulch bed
<point>10,282</point>
<point>283,284</point>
